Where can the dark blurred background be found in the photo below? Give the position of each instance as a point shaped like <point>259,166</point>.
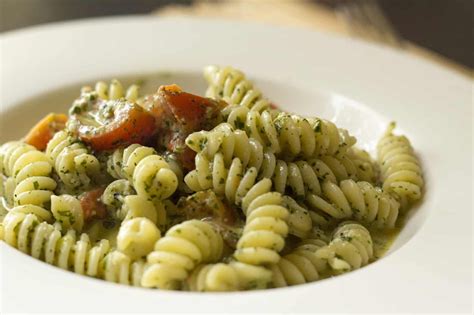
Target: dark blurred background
<point>443,26</point>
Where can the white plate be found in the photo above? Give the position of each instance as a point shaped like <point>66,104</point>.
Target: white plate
<point>360,86</point>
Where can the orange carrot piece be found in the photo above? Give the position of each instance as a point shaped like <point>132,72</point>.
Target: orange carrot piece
<point>45,129</point>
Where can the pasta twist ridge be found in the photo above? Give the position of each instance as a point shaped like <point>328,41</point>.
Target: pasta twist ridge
<point>290,136</point>
<point>74,165</point>
<point>233,276</point>
<point>301,265</point>
<point>351,247</point>
<point>124,203</point>
<point>367,168</point>
<point>231,143</point>
<point>7,189</point>
<point>68,212</point>
<point>184,246</point>
<point>299,218</point>
<point>400,168</point>
<point>232,86</point>
<point>299,175</point>
<point>115,91</point>
<point>310,137</point>
<point>360,200</point>
<point>265,228</point>
<point>30,171</point>
<point>33,236</point>
<point>150,173</point>
<point>241,187</point>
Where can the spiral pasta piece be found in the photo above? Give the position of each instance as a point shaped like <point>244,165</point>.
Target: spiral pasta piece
<point>184,246</point>
<point>231,143</point>
<point>114,196</point>
<point>150,173</point>
<point>123,202</point>
<point>116,91</point>
<point>33,236</point>
<point>113,91</point>
<point>75,166</point>
<point>265,228</point>
<point>137,237</point>
<point>351,247</point>
<point>400,168</point>
<point>234,276</point>
<point>30,182</point>
<point>290,136</point>
<point>120,268</point>
<point>299,220</point>
<point>300,177</point>
<point>235,143</point>
<point>344,167</point>
<point>7,188</point>
<point>67,211</point>
<point>300,266</point>
<point>176,167</point>
<point>360,200</point>
<point>9,153</point>
<point>232,86</point>
<point>367,168</point>
<point>241,188</point>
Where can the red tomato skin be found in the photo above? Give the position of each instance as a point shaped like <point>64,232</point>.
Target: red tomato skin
<point>133,125</point>
<point>91,205</point>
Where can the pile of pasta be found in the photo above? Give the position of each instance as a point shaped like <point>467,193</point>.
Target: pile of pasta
<point>272,199</point>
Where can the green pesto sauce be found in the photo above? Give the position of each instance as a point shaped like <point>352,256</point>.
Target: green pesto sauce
<point>383,240</point>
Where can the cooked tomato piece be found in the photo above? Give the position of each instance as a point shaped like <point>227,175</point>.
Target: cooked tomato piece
<point>91,204</point>
<point>206,204</point>
<point>178,114</point>
<point>45,129</point>
<point>191,111</point>
<point>106,125</point>
<point>186,158</point>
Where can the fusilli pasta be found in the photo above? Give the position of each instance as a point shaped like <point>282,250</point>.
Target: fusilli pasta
<point>232,143</point>
<point>299,220</point>
<point>7,189</point>
<point>359,200</point>
<point>115,91</point>
<point>233,276</point>
<point>400,168</point>
<point>175,255</point>
<point>30,170</point>
<point>258,244</point>
<point>137,237</point>
<point>41,240</point>
<point>122,201</point>
<point>246,196</point>
<point>291,136</point>
<point>265,228</point>
<point>300,266</point>
<point>351,247</point>
<point>232,86</point>
<point>149,172</point>
<point>67,210</point>
<point>367,168</point>
<point>74,164</point>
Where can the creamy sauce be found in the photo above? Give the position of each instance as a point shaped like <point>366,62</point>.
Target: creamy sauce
<point>383,240</point>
